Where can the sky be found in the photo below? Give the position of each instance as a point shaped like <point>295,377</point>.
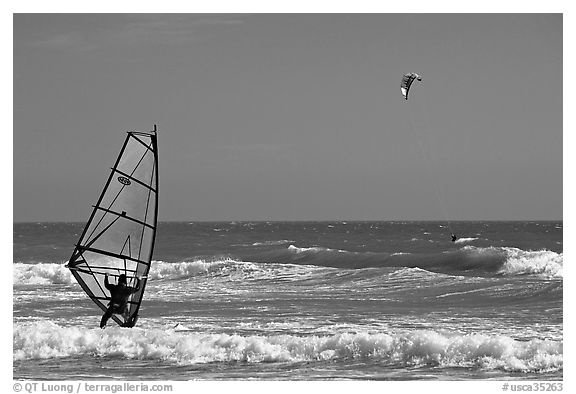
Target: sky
<point>293,116</point>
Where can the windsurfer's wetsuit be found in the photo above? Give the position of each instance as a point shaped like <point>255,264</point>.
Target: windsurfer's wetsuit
<point>119,295</point>
<point>454,238</point>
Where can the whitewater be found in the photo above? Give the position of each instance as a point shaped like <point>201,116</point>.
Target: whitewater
<point>303,301</point>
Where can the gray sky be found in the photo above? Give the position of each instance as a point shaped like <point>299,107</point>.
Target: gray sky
<point>294,117</point>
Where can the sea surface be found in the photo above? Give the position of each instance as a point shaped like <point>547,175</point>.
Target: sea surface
<point>303,301</point>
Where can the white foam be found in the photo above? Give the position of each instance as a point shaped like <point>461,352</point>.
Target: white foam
<point>52,273</point>
<point>42,340</point>
<point>41,274</point>
<point>465,240</point>
<point>272,243</point>
<point>303,250</point>
<point>315,249</point>
<point>186,269</point>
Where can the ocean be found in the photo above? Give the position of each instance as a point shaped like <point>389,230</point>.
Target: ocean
<point>303,301</point>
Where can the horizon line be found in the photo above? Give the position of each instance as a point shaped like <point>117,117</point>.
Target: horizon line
<point>313,220</point>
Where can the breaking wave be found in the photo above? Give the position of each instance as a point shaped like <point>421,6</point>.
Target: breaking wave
<point>46,340</point>
<point>544,262</point>
<point>469,260</point>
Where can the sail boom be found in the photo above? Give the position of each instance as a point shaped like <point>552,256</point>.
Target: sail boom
<point>93,268</point>
<point>107,299</point>
<point>109,254</point>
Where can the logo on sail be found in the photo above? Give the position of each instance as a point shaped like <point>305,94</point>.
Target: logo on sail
<point>124,180</point>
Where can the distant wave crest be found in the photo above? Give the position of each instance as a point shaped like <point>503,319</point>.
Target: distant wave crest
<point>469,260</point>
<point>543,263</point>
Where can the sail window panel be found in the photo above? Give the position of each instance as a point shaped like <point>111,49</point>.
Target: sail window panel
<point>134,200</point>
<point>138,161</point>
<point>95,283</point>
<point>120,236</point>
<point>99,223</point>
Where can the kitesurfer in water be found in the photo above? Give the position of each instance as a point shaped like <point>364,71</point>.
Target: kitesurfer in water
<point>454,238</point>
<point>119,294</point>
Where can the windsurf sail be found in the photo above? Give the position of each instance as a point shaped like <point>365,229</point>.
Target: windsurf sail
<point>119,236</point>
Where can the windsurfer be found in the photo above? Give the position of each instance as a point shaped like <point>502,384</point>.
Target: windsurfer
<point>119,294</point>
<point>454,238</point>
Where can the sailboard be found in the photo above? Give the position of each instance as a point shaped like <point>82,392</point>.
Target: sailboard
<point>120,234</point>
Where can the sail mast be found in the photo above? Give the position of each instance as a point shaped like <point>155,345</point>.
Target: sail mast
<point>155,150</point>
